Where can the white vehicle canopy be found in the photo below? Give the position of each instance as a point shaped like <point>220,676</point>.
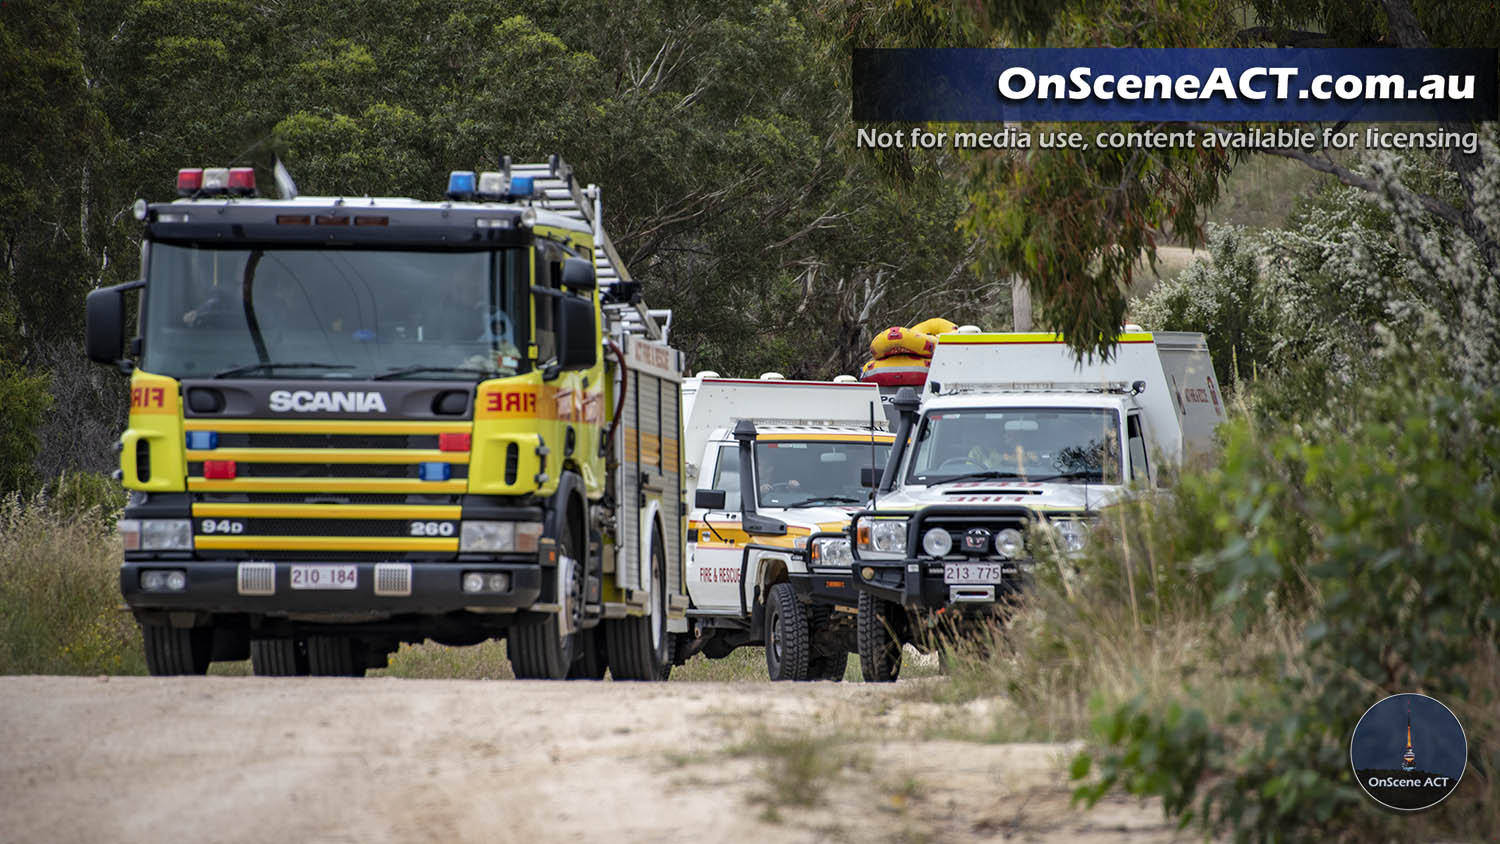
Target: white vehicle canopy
<point>1180,400</point>
<point>711,404</point>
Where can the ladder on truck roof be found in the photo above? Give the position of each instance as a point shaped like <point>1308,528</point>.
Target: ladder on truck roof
<point>555,189</point>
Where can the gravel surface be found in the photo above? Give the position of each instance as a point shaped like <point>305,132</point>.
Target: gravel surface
<point>242,759</point>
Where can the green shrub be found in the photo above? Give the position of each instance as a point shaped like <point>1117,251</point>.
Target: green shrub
<point>1375,530</point>
<point>24,402</point>
<point>60,605</point>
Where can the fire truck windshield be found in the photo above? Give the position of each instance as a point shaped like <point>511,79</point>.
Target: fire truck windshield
<point>1028,444</point>
<point>297,312</point>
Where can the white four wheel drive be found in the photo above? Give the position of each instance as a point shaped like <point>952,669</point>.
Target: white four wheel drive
<point>1012,437</point>
<point>775,468</point>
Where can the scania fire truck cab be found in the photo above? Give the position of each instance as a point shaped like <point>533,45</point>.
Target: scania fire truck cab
<point>1013,438</point>
<point>357,422</point>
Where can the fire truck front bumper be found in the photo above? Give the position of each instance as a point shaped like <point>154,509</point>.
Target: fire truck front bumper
<point>324,587</point>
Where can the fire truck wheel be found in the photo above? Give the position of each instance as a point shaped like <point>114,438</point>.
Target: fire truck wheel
<point>878,633</point>
<point>278,658</point>
<point>639,646</point>
<point>333,656</point>
<point>177,650</point>
<point>539,650</point>
<point>591,660</point>
<point>788,649</point>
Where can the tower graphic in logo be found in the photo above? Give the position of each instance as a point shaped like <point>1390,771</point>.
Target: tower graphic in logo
<point>1409,758</point>
<point>1387,769</point>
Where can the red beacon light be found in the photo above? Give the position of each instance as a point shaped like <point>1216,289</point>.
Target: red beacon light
<point>189,181</point>
<point>242,181</point>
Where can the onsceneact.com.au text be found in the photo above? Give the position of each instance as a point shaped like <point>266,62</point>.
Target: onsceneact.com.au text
<point>1253,83</point>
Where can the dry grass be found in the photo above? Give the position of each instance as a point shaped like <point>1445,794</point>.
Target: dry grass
<point>60,592</point>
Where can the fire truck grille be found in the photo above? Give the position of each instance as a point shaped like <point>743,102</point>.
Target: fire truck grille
<point>319,498</point>
<point>246,469</point>
<point>335,527</point>
<point>283,440</point>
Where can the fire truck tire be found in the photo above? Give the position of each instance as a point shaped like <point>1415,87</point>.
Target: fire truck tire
<point>538,650</point>
<point>788,647</point>
<point>640,648</point>
<point>822,665</point>
<point>278,658</point>
<point>333,656</point>
<point>878,634</point>
<point>177,650</point>
<point>591,661</point>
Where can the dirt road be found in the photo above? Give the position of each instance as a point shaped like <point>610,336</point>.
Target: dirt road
<point>230,759</point>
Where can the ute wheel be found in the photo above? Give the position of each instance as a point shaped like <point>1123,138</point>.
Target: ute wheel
<point>591,660</point>
<point>788,648</point>
<point>878,633</point>
<point>278,658</point>
<point>539,650</point>
<point>172,651</point>
<point>334,656</point>
<point>640,647</point>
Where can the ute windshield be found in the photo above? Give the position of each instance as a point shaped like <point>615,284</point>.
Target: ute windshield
<point>1031,444</point>
<point>815,473</point>
<point>295,312</point>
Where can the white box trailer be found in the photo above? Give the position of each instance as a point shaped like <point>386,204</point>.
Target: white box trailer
<point>1181,401</point>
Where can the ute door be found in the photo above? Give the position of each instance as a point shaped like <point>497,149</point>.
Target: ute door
<point>714,567</point>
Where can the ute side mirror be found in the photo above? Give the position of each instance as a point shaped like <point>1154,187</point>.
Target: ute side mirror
<point>870,476</point>
<point>578,347</point>
<point>710,499</point>
<point>578,275</point>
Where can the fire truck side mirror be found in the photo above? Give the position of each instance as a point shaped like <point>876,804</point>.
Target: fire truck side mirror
<point>104,318</point>
<point>869,476</point>
<point>578,275</point>
<point>579,345</point>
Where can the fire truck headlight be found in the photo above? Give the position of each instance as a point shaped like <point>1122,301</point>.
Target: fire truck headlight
<point>487,536</point>
<point>163,535</point>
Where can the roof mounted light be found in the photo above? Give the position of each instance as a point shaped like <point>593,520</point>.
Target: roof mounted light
<point>461,184</point>
<point>242,181</point>
<point>493,185</point>
<point>522,186</point>
<point>189,181</point>
<point>215,180</point>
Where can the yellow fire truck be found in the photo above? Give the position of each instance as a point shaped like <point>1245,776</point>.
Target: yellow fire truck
<point>357,422</point>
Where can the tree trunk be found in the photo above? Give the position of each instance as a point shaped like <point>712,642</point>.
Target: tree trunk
<point>1020,303</point>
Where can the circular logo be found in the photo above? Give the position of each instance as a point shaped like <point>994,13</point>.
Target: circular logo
<point>1408,752</point>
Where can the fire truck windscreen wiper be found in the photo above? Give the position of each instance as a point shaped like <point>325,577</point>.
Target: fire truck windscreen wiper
<point>825,499</point>
<point>269,365</point>
<point>975,476</point>
<point>411,370</point>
